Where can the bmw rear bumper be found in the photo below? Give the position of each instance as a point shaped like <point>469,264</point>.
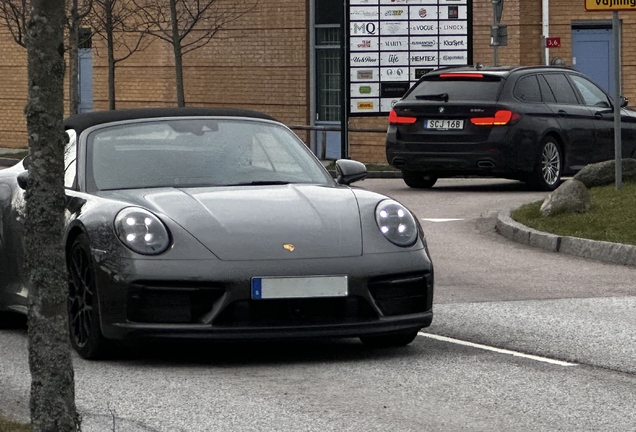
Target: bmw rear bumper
<point>497,156</point>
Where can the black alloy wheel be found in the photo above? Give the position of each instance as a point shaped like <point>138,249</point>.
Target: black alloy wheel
<point>83,308</point>
<point>392,340</point>
<point>418,179</point>
<point>547,172</point>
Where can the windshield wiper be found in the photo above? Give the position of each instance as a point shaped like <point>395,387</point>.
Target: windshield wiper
<point>441,96</point>
<point>259,183</point>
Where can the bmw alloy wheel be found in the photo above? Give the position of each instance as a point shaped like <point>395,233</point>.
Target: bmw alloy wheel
<point>546,173</point>
<point>551,163</point>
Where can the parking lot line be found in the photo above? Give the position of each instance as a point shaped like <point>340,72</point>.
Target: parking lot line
<point>441,219</point>
<point>497,350</point>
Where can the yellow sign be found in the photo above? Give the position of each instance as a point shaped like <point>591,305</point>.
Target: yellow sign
<point>365,105</point>
<point>610,5</point>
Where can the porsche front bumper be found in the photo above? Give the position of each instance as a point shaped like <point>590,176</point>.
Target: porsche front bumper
<point>154,298</point>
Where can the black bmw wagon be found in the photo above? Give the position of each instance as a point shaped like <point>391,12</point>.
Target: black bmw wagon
<point>532,124</point>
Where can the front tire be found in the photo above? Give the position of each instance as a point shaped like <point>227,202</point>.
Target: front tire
<point>83,305</point>
<point>547,173</point>
<point>392,340</point>
<point>12,320</point>
<point>418,179</point>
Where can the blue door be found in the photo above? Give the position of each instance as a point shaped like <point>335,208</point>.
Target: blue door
<point>85,80</point>
<point>593,55</point>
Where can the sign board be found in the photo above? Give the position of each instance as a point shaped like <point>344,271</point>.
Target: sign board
<point>392,43</point>
<point>610,5</point>
<point>553,42</point>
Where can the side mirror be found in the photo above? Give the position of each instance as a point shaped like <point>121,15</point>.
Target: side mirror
<point>23,179</point>
<point>350,171</point>
<point>624,101</point>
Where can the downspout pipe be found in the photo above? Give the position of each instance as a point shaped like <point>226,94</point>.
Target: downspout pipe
<point>545,24</point>
<point>312,74</point>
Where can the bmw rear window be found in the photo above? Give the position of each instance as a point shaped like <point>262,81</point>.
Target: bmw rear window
<point>456,89</point>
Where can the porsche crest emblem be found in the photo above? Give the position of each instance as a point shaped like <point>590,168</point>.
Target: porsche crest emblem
<point>288,246</point>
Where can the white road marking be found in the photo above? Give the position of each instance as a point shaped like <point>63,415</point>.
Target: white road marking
<point>497,350</point>
<point>440,220</point>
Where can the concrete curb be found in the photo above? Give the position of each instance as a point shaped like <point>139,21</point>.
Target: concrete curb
<point>384,174</point>
<point>614,253</point>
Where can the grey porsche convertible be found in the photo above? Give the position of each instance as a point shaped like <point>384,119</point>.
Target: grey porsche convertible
<point>220,224</point>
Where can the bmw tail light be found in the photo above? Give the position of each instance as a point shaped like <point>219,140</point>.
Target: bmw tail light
<point>394,118</point>
<point>501,118</point>
<point>462,75</point>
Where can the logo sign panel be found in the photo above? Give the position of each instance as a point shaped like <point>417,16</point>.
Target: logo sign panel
<point>393,90</point>
<point>394,74</point>
<point>369,75</point>
<point>393,43</point>
<point>365,90</point>
<point>364,106</point>
<point>610,5</point>
<point>363,44</point>
<point>394,58</point>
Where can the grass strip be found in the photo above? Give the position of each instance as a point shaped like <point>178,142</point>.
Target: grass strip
<point>612,217</point>
<point>7,425</point>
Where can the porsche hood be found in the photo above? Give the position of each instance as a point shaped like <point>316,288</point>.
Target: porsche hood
<point>266,222</point>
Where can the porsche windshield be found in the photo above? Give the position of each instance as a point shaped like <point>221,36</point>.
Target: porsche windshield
<point>196,152</point>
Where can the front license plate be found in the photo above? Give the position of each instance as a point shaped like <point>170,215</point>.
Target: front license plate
<point>299,287</point>
<point>443,124</point>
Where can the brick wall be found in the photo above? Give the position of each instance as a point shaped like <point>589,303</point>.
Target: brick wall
<point>13,88</point>
<point>258,61</point>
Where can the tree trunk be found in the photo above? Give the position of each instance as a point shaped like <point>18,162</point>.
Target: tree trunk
<point>178,57</point>
<point>108,10</point>
<point>52,380</point>
<point>73,58</point>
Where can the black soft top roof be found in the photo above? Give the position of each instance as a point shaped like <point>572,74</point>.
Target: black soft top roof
<point>80,122</point>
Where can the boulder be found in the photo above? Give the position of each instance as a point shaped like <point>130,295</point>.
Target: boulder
<point>603,173</point>
<point>571,197</point>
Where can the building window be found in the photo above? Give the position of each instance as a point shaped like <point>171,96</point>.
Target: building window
<point>328,70</point>
<point>85,38</point>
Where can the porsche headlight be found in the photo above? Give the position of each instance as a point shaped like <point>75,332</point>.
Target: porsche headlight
<point>396,223</point>
<point>142,231</point>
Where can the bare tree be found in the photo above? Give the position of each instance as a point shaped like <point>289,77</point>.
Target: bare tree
<point>14,15</point>
<point>115,21</point>
<point>188,25</point>
<point>52,378</point>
